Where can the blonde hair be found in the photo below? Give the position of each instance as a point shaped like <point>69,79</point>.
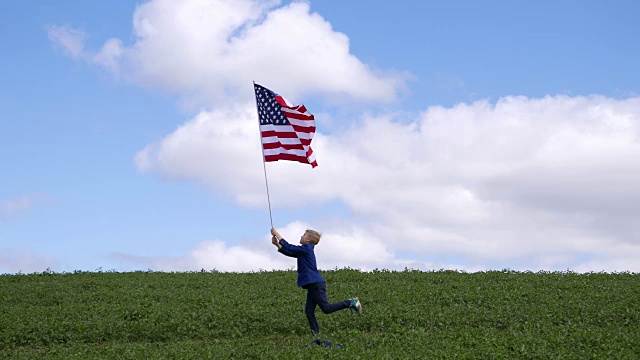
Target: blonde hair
<point>313,236</point>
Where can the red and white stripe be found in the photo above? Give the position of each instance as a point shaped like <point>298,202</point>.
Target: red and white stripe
<point>290,142</point>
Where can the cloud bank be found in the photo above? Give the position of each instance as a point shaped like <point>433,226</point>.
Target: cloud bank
<point>522,183</point>
<point>543,183</point>
<point>210,51</point>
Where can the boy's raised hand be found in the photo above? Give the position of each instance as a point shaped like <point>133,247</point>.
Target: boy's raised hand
<point>276,242</point>
<point>275,238</point>
<point>276,234</point>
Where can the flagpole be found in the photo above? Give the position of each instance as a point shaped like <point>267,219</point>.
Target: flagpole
<point>264,166</point>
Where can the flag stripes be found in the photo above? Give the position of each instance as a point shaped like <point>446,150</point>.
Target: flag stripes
<point>286,130</point>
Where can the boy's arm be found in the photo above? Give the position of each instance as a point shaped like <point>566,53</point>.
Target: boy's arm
<point>291,250</point>
<point>284,247</point>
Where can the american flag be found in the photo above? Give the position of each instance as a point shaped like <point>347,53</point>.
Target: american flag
<point>287,130</point>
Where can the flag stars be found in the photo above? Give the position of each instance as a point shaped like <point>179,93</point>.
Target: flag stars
<point>269,111</point>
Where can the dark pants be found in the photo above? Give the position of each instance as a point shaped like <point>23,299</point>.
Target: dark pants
<point>317,295</point>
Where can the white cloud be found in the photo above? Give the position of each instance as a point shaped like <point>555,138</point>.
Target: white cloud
<point>215,254</point>
<point>526,180</point>
<point>353,247</point>
<point>70,40</point>
<point>110,55</point>
<point>12,207</point>
<point>618,264</point>
<point>221,142</point>
<point>209,51</point>
<point>209,255</point>
<point>450,83</point>
<point>25,261</point>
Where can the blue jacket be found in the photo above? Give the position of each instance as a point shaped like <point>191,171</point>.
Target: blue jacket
<point>307,269</point>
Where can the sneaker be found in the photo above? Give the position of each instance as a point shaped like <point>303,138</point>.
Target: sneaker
<point>355,305</point>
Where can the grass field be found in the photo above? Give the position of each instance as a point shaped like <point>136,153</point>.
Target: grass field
<point>407,315</point>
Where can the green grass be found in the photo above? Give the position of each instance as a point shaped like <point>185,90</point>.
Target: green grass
<point>408,314</point>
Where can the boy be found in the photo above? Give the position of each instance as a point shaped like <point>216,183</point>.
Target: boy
<point>309,278</point>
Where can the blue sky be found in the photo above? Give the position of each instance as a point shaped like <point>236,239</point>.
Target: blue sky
<point>458,135</point>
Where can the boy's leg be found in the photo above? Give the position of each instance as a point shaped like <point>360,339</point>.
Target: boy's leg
<point>310,311</point>
<point>320,297</point>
